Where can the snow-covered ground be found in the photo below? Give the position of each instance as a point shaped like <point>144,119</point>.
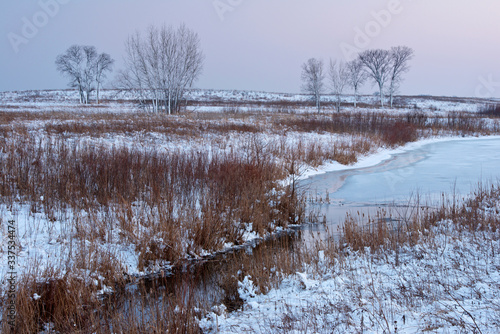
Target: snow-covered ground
<point>43,241</point>
<point>220,100</point>
<point>361,293</point>
<point>450,283</point>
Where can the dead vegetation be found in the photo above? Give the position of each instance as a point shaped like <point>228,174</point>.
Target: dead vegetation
<point>396,229</point>
<point>409,268</point>
<point>173,204</point>
<point>491,111</point>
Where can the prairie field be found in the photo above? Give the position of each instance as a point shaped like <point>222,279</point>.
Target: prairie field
<point>106,197</point>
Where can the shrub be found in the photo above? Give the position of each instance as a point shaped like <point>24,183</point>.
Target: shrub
<point>399,133</point>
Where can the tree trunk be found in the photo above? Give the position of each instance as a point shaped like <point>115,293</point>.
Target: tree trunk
<point>169,103</point>
<point>355,97</point>
<point>80,91</point>
<point>97,92</point>
<point>155,105</point>
<point>391,92</point>
<point>381,96</point>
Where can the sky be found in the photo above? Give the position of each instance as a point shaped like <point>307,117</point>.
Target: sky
<point>261,44</point>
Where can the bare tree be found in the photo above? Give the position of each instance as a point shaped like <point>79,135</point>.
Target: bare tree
<point>104,63</point>
<point>312,79</point>
<point>85,69</point>
<point>339,76</point>
<point>378,65</point>
<point>400,56</point>
<point>88,71</point>
<point>161,66</point>
<point>138,75</point>
<point>71,64</point>
<point>357,76</point>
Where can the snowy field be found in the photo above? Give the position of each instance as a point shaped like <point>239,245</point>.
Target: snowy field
<point>448,284</point>
<point>45,243</point>
<point>363,292</point>
<point>221,100</point>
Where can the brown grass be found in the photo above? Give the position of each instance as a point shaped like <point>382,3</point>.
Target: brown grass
<point>203,196</point>
<point>174,205</point>
<point>68,303</point>
<point>391,130</point>
<point>392,230</point>
<point>492,111</point>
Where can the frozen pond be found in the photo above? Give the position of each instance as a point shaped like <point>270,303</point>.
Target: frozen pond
<point>429,171</point>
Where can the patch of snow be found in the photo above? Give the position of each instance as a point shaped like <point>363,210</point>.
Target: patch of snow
<point>448,286</point>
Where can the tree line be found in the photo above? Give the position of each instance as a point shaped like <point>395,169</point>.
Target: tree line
<point>159,67</point>
<point>384,67</point>
<point>163,63</point>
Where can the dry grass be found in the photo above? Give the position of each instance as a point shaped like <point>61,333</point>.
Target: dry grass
<point>417,269</point>
<point>177,204</point>
<point>387,129</point>
<point>169,204</point>
<point>211,198</point>
<point>391,230</point>
<point>491,111</point>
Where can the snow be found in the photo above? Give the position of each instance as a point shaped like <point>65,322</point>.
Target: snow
<point>42,243</point>
<point>207,100</point>
<point>382,154</point>
<point>445,285</point>
<point>450,284</point>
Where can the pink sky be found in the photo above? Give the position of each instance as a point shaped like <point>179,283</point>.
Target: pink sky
<point>261,44</point>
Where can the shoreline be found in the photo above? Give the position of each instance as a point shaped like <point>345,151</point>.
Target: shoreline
<point>382,155</point>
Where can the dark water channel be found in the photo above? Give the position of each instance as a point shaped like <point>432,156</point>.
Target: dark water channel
<point>428,171</point>
<point>204,283</point>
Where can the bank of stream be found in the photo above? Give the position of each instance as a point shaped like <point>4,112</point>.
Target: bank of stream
<point>429,172</point>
